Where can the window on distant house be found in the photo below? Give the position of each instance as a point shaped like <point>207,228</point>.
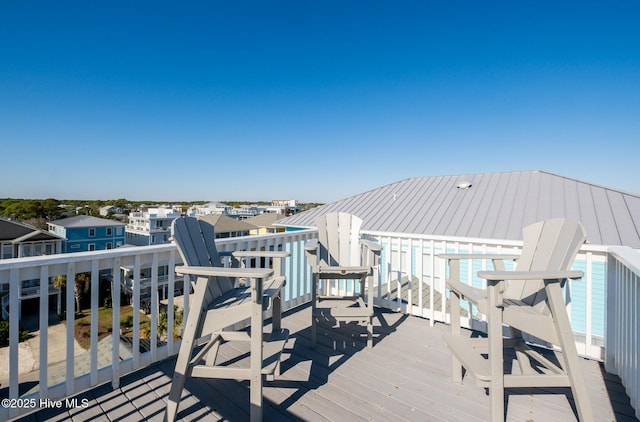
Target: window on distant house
<point>7,251</point>
<point>92,246</point>
<point>109,246</point>
<point>109,231</point>
<point>92,232</point>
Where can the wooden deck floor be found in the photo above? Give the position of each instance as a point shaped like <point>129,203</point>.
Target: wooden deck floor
<point>405,376</point>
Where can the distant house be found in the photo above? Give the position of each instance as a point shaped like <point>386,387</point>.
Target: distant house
<point>19,240</point>
<point>264,224</point>
<point>285,206</point>
<point>87,233</point>
<point>226,226</point>
<point>151,226</point>
<point>110,209</point>
<point>210,208</point>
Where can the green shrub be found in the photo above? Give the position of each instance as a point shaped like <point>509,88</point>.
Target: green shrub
<point>4,333</point>
<point>127,321</point>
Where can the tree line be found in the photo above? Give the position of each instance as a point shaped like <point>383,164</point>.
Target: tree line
<point>37,212</point>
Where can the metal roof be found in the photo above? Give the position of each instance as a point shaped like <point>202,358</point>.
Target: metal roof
<point>80,221</point>
<point>494,206</point>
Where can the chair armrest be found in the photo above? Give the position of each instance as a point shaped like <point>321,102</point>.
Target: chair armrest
<point>373,246</point>
<point>529,275</point>
<point>459,256</point>
<point>225,272</point>
<point>261,254</point>
<point>311,246</point>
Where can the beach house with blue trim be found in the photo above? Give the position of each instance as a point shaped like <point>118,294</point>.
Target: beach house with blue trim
<point>86,233</point>
<point>494,207</point>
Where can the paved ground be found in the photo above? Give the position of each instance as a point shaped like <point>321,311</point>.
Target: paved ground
<point>29,355</point>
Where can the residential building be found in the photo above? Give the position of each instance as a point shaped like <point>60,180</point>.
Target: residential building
<point>285,206</point>
<point>87,233</point>
<point>225,226</point>
<point>151,226</point>
<point>110,209</point>
<point>208,209</point>
<point>19,240</point>
<point>264,224</point>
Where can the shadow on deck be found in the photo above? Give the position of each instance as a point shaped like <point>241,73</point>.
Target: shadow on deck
<point>405,376</point>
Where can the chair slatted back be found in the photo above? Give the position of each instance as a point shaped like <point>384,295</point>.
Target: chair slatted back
<point>549,245</point>
<point>339,239</point>
<point>196,244</point>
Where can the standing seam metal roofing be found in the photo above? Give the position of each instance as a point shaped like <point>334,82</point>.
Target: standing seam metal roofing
<point>496,206</point>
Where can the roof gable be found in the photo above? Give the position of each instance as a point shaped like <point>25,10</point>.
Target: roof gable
<point>10,230</point>
<point>19,232</point>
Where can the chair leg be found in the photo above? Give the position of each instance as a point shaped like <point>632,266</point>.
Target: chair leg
<point>255,393</point>
<point>192,329</point>
<point>569,352</point>
<point>276,312</point>
<point>314,298</point>
<point>369,281</point>
<point>496,355</point>
<point>456,366</point>
<point>182,371</point>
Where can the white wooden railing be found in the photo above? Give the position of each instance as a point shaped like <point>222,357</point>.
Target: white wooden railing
<point>68,377</point>
<point>410,264</point>
<point>410,268</point>
<point>623,320</point>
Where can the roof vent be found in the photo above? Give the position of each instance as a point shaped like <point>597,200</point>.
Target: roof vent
<point>465,184</point>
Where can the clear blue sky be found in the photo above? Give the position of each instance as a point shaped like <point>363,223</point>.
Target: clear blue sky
<point>311,100</point>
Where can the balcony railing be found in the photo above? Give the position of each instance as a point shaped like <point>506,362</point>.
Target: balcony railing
<point>412,281</point>
<point>623,316</point>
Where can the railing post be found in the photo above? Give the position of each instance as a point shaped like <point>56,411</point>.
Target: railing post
<point>610,336</point>
<point>71,320</point>
<point>44,331</point>
<point>14,319</point>
<point>115,327</point>
<point>95,290</point>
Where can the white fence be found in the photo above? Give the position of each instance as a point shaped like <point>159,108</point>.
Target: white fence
<point>412,281</point>
<point>410,265</point>
<point>79,370</point>
<point>623,316</point>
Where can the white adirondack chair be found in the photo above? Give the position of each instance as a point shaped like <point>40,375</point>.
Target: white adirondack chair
<point>528,300</point>
<point>223,298</point>
<point>340,254</point>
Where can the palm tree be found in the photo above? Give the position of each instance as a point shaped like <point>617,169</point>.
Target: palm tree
<point>80,287</point>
